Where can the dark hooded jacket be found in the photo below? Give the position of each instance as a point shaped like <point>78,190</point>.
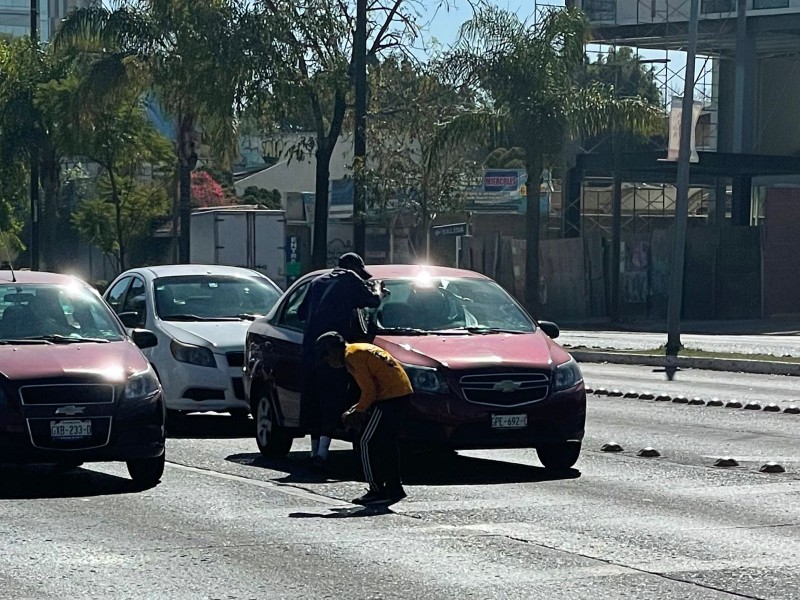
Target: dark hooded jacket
<point>331,304</point>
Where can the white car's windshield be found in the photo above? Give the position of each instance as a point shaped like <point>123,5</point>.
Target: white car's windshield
<point>54,313</point>
<point>470,304</point>
<point>213,297</point>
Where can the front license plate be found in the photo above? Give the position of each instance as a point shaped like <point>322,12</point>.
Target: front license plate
<point>509,421</point>
<point>70,430</point>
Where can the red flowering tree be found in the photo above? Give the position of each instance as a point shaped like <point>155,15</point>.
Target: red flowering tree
<point>206,191</point>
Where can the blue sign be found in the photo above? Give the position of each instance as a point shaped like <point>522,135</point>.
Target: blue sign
<point>502,180</point>
<point>501,191</point>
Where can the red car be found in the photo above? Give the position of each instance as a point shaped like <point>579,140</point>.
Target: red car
<point>485,374</point>
<point>74,387</point>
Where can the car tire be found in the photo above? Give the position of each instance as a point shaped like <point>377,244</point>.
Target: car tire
<point>273,440</point>
<point>559,457</point>
<point>146,472</point>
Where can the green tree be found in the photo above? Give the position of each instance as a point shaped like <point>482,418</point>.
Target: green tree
<point>120,214</point>
<point>621,70</point>
<point>109,127</point>
<point>506,158</point>
<point>528,76</point>
<point>407,101</point>
<point>13,208</point>
<point>267,198</point>
<point>190,55</point>
<point>29,130</point>
<point>310,86</point>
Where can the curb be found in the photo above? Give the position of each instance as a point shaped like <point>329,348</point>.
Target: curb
<point>757,367</point>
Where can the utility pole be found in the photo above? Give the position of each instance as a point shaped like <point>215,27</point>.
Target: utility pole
<point>34,155</point>
<point>682,192</point>
<point>360,138</point>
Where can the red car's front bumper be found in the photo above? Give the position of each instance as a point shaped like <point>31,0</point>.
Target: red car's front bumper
<point>451,421</point>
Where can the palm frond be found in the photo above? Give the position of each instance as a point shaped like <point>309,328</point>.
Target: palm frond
<point>593,109</point>
<point>463,128</point>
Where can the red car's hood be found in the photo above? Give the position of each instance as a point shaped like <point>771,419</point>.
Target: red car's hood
<point>114,361</point>
<point>470,351</point>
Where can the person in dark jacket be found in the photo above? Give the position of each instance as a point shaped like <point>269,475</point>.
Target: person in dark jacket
<point>331,304</point>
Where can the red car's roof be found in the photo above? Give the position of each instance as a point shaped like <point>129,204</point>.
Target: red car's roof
<point>37,277</point>
<point>412,271</point>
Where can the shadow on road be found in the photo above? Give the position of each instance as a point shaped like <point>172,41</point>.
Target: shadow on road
<point>209,426</point>
<point>437,468</point>
<point>345,513</point>
<point>31,482</point>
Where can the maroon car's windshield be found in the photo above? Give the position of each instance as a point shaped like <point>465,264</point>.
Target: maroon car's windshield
<point>50,312</point>
<point>442,304</point>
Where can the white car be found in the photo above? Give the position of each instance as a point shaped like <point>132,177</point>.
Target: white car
<point>200,314</point>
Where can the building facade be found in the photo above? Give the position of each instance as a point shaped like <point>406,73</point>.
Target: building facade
<point>15,16</point>
<point>750,50</point>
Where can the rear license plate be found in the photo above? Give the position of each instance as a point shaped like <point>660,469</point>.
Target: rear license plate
<point>70,430</point>
<point>509,421</point>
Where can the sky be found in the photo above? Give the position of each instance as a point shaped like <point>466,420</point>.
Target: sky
<point>442,26</point>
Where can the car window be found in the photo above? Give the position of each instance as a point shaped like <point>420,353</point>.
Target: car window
<point>288,316</point>
<point>116,293</point>
<point>135,301</point>
<point>184,297</point>
<point>46,310</point>
<point>450,303</point>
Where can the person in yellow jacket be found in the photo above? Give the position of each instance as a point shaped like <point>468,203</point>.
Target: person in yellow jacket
<point>385,392</point>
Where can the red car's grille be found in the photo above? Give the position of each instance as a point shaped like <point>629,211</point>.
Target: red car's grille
<point>505,389</point>
<point>64,394</point>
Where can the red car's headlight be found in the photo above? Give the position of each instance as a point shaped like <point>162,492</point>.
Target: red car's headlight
<point>567,375</point>
<point>427,380</point>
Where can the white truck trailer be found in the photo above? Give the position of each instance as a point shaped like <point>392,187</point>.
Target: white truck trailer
<point>240,236</point>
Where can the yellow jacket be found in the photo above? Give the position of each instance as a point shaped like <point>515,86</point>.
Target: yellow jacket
<point>377,373</point>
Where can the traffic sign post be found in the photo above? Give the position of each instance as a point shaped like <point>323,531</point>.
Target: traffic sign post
<point>456,230</point>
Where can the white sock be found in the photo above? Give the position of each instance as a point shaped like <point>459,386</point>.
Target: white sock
<point>315,446</point>
<point>324,444</point>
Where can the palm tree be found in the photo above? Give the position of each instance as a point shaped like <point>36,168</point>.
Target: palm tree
<point>527,75</point>
<point>187,54</point>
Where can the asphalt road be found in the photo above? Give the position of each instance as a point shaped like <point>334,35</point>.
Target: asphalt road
<point>228,524</point>
<point>773,345</point>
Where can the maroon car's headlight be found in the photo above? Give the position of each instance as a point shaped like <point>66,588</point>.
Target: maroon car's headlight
<point>141,385</point>
<point>427,380</point>
<point>567,375</point>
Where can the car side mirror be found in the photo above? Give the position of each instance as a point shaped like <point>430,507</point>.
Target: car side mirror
<point>130,319</point>
<point>144,339</point>
<point>550,328</point>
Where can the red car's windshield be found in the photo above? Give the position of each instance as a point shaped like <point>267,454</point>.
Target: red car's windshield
<point>442,304</point>
<point>68,313</point>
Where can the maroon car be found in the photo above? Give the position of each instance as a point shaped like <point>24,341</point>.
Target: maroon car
<point>74,387</point>
<point>485,374</point>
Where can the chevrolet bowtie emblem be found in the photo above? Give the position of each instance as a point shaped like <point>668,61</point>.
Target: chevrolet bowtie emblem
<point>507,386</point>
<point>70,411</point>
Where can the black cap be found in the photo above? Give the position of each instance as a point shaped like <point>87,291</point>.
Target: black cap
<point>328,341</point>
<point>353,262</point>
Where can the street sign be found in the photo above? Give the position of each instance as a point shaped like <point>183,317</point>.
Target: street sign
<point>456,229</point>
<point>293,265</point>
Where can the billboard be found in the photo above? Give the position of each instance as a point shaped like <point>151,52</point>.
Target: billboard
<point>503,191</point>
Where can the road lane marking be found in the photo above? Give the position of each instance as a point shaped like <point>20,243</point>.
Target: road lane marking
<point>288,490</point>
